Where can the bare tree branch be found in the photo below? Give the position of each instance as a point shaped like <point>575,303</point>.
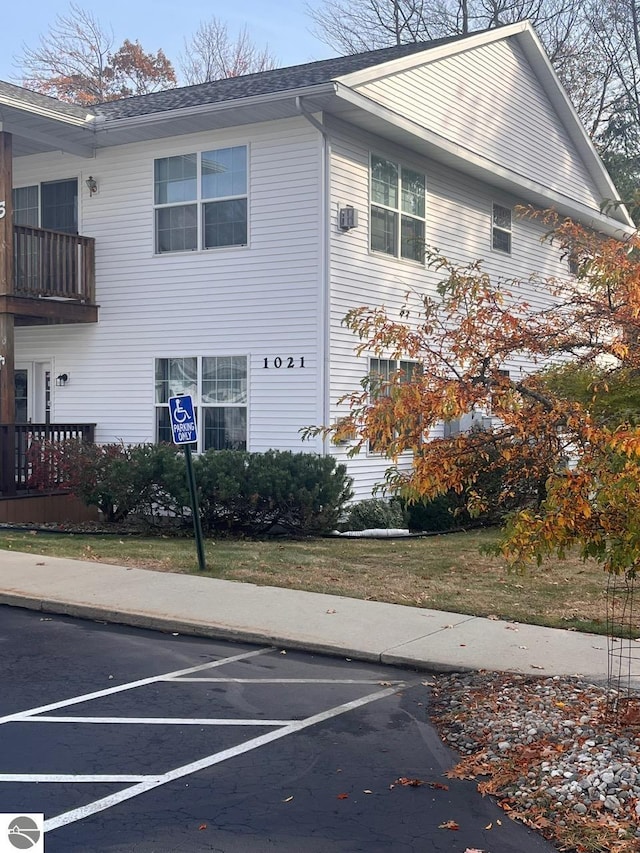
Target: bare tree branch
<point>213,54</point>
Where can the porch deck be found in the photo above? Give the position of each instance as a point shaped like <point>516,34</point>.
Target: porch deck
<point>17,442</point>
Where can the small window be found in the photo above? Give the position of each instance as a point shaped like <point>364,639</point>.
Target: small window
<point>218,385</point>
<point>26,206</point>
<point>501,232</point>
<point>201,200</point>
<point>397,210</point>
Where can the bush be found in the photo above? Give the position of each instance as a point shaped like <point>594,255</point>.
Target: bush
<point>258,493</point>
<point>373,514</point>
<point>446,512</point>
<point>121,480</point>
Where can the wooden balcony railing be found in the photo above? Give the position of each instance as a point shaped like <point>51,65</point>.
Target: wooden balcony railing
<point>53,264</point>
<point>23,470</point>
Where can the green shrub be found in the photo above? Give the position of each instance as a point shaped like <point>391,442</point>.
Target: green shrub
<point>374,513</point>
<point>121,480</point>
<point>258,493</point>
<point>443,513</point>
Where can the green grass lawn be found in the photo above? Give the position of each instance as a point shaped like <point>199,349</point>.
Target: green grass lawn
<point>445,572</point>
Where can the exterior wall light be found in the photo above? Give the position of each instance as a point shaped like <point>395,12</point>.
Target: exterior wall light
<point>92,185</point>
<point>62,379</point>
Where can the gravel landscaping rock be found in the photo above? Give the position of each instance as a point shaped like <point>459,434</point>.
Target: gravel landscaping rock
<point>552,753</point>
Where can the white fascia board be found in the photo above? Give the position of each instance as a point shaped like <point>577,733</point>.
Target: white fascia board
<point>432,54</point>
<point>47,112</point>
<point>555,91</point>
<point>431,144</point>
<point>104,125</point>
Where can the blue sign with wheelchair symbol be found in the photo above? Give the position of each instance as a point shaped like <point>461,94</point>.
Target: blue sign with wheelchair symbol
<point>183,422</point>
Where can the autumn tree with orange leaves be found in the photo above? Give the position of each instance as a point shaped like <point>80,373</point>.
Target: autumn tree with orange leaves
<point>579,461</point>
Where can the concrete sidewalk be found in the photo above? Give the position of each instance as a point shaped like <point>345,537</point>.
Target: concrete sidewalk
<point>365,630</point>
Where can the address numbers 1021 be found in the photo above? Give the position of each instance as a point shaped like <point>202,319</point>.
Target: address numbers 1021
<point>288,362</point>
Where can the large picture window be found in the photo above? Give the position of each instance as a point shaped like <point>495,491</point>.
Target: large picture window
<point>201,200</point>
<point>397,210</point>
<point>218,385</point>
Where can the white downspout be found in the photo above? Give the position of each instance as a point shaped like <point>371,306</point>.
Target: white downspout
<point>325,271</point>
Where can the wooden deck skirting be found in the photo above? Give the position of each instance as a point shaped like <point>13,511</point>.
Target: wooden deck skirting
<point>60,508</point>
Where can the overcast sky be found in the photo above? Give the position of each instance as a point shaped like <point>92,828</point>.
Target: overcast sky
<point>282,24</point>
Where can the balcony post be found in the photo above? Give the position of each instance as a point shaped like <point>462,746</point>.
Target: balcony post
<point>6,213</point>
<point>7,364</point>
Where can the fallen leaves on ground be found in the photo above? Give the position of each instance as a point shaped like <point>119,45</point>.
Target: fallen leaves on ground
<point>343,796</point>
<point>597,830</point>
<point>406,782</point>
<point>449,824</point>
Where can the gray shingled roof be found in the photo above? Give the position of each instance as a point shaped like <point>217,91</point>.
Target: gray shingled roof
<point>26,96</point>
<point>266,82</point>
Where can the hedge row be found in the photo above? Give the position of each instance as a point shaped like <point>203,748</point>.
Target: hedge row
<point>238,492</point>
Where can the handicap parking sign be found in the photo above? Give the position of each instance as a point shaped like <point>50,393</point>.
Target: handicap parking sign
<point>183,422</point>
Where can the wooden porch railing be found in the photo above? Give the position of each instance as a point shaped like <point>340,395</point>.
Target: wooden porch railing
<point>16,467</point>
<point>53,264</point>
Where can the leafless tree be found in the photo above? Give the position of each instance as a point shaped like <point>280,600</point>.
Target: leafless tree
<point>74,61</point>
<point>213,53</point>
<point>355,25</point>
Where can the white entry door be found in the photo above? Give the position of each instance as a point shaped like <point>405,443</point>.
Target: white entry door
<point>33,392</point>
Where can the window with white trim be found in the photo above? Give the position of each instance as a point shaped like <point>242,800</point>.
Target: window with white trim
<point>382,371</point>
<point>501,229</point>
<point>397,220</point>
<point>218,385</point>
<point>201,200</point>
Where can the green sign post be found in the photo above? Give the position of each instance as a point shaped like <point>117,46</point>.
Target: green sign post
<point>184,431</point>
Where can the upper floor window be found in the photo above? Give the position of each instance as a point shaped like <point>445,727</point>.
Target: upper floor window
<point>218,385</point>
<point>52,205</point>
<point>501,230</point>
<point>397,209</point>
<point>201,200</point>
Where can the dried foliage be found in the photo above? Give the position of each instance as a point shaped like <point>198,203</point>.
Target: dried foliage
<point>586,467</point>
<point>75,62</point>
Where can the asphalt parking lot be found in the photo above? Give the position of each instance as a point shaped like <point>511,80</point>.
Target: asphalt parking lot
<point>136,741</point>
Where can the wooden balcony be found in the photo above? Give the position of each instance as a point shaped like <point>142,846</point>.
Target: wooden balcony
<point>19,454</point>
<point>53,278</point>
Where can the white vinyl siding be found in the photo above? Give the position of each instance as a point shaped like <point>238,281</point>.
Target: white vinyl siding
<point>459,223</point>
<point>489,101</point>
<point>262,300</point>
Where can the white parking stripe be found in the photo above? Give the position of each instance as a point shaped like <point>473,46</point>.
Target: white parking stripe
<point>160,721</point>
<point>207,680</point>
<point>76,700</point>
<point>61,777</point>
<point>210,760</point>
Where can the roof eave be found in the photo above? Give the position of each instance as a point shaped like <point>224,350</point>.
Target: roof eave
<point>105,125</point>
<point>437,147</point>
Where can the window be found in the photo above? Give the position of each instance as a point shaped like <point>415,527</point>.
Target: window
<point>201,200</point>
<point>218,385</point>
<point>52,205</point>
<point>382,371</point>
<point>397,210</point>
<point>501,231</point>
<point>26,206</point>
